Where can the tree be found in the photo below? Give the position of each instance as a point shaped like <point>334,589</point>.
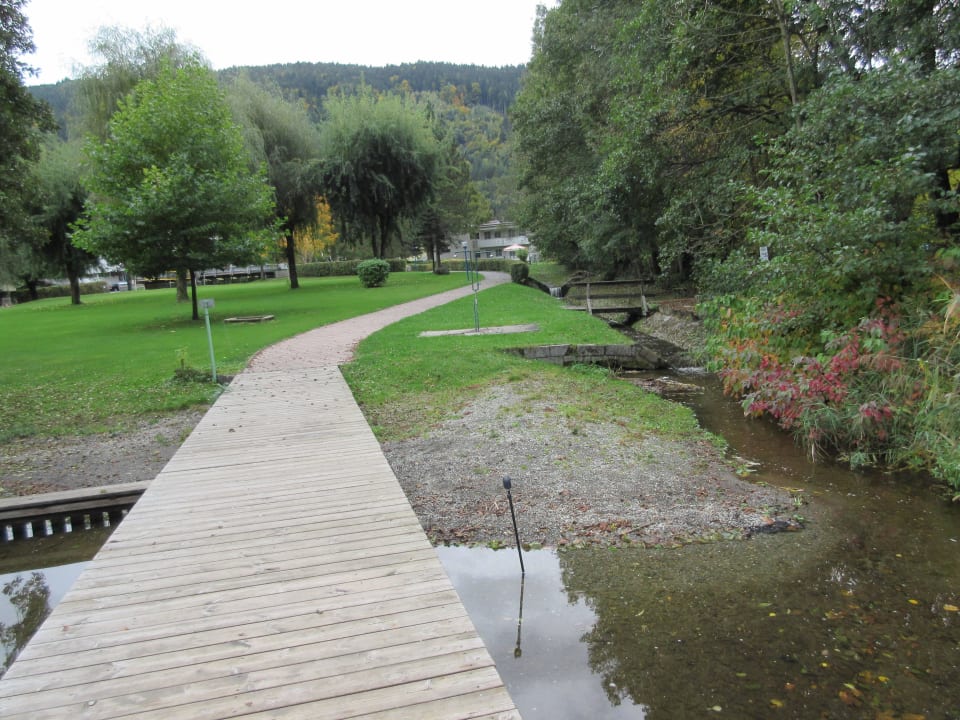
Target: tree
<point>171,187</point>
<point>23,120</point>
<point>379,163</point>
<point>127,56</point>
<point>57,204</point>
<point>316,241</point>
<point>281,135</point>
<point>457,204</point>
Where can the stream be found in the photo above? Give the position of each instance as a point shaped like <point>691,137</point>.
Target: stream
<point>857,616</point>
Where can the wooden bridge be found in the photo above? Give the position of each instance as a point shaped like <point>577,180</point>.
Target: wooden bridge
<point>273,569</point>
<point>609,297</point>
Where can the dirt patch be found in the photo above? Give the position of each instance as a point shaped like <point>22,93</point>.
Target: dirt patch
<point>573,483</point>
<point>38,465</point>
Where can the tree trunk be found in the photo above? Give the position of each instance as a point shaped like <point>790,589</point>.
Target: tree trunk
<point>193,292</point>
<point>74,277</point>
<point>788,55</point>
<point>182,294</point>
<point>291,249</point>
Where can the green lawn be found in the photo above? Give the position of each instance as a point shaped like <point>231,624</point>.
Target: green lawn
<point>91,368</point>
<point>405,382</point>
<point>95,367</point>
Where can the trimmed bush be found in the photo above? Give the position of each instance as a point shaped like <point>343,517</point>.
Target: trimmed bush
<point>519,273</point>
<point>373,273</point>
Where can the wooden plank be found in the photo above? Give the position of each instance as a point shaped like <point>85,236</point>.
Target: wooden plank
<point>273,568</point>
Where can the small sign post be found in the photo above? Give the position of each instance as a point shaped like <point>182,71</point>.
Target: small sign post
<point>473,275</point>
<point>206,305</point>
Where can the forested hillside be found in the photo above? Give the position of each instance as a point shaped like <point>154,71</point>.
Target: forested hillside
<point>473,100</point>
<point>799,163</point>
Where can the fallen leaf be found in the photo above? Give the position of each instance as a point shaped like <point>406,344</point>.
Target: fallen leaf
<point>849,699</point>
<point>776,703</point>
<point>951,608</point>
<point>913,602</point>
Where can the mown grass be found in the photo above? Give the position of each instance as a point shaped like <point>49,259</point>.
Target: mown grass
<point>405,383</point>
<point>94,367</point>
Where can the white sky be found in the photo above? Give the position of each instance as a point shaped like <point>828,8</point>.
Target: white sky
<point>262,32</point>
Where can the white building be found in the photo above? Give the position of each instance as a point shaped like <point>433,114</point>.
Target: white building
<point>494,239</point>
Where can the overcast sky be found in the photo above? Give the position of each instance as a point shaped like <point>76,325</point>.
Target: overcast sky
<point>366,32</point>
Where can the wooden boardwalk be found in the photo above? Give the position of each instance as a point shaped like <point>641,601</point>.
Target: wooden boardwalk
<point>274,569</point>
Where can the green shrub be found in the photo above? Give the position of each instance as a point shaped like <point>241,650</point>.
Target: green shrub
<point>373,273</point>
<point>519,272</point>
<point>522,255</point>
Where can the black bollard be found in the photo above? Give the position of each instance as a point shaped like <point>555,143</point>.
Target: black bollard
<point>513,515</point>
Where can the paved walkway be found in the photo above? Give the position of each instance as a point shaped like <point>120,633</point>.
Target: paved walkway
<point>274,569</point>
<point>334,344</point>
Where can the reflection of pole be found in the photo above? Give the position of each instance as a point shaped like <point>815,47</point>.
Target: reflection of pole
<point>517,652</point>
<point>516,533</point>
<point>473,275</point>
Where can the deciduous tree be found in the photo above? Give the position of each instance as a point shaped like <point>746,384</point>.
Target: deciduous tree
<point>172,186</point>
<point>281,135</point>
<point>379,164</point>
<point>57,204</point>
<point>23,120</point>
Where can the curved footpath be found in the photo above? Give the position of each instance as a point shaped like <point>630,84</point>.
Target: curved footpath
<point>334,344</point>
<point>274,568</point>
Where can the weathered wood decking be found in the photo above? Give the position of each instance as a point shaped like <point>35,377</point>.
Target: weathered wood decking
<point>273,569</point>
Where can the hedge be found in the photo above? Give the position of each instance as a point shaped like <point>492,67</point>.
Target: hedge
<point>489,265</point>
<point>52,291</point>
<point>342,267</point>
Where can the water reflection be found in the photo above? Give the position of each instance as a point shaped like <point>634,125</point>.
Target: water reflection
<point>858,616</point>
<point>543,661</point>
<point>743,629</point>
<point>34,576</point>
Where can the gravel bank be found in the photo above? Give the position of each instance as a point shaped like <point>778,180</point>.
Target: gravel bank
<point>572,483</point>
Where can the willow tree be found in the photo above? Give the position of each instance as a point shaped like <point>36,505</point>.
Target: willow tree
<point>379,163</point>
<point>171,186</point>
<point>282,136</point>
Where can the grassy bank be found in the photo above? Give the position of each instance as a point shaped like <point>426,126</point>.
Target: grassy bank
<point>405,382</point>
<point>88,368</point>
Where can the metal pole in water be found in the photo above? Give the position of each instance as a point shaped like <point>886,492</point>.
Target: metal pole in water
<point>516,533</point>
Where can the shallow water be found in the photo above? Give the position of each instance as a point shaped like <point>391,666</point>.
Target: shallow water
<point>855,617</point>
<point>34,575</point>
